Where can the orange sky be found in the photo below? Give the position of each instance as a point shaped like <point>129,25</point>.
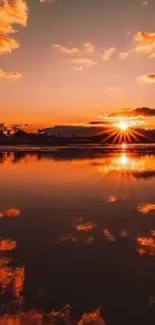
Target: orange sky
<point>69,61</point>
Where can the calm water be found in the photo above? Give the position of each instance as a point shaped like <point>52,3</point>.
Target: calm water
<point>78,231</point>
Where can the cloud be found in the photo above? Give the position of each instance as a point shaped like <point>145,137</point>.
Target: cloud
<point>14,12</point>
<point>81,63</point>
<point>125,55</point>
<point>96,123</point>
<point>11,76</point>
<point>147,78</point>
<point>135,117</point>
<point>11,12</point>
<point>136,112</point>
<point>144,43</point>
<point>108,53</point>
<point>66,50</point>
<point>88,47</point>
<point>7,44</point>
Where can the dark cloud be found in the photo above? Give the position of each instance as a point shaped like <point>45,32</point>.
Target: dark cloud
<point>141,111</point>
<point>97,123</point>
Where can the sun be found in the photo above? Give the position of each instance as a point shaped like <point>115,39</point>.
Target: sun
<point>123,126</point>
<point>123,131</point>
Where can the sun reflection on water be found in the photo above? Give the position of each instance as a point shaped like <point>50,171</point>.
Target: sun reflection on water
<point>123,162</point>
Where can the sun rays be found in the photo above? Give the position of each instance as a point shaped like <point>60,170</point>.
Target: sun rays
<point>123,132</point>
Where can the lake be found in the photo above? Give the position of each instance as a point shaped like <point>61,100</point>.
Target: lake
<point>78,229</point>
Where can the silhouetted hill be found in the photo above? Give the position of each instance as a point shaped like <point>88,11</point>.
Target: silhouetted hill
<point>77,135</point>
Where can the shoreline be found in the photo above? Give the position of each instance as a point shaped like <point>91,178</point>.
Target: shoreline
<point>79,147</point>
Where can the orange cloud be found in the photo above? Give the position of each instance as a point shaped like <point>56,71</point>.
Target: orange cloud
<point>144,38</point>
<point>15,12</point>
<point>66,50</point>
<point>144,44</point>
<point>12,76</point>
<point>125,55</point>
<point>11,13</point>
<point>82,63</point>
<point>8,44</point>
<point>108,53</point>
<point>88,47</point>
<point>147,78</point>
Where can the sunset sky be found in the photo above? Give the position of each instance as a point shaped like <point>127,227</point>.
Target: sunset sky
<point>69,61</point>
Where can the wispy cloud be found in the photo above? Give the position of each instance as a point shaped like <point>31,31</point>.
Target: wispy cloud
<point>136,113</point>
<point>108,53</point>
<point>80,64</point>
<point>125,55</point>
<point>65,49</point>
<point>88,47</point>
<point>11,76</point>
<point>147,78</point>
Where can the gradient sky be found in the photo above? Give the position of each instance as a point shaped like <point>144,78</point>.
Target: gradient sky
<point>62,80</point>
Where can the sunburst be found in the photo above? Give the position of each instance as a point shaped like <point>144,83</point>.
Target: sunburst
<point>123,132</point>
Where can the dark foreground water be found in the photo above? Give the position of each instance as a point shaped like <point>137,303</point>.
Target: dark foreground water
<point>78,231</point>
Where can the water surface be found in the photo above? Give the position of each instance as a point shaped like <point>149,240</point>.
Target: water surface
<point>78,231</point>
